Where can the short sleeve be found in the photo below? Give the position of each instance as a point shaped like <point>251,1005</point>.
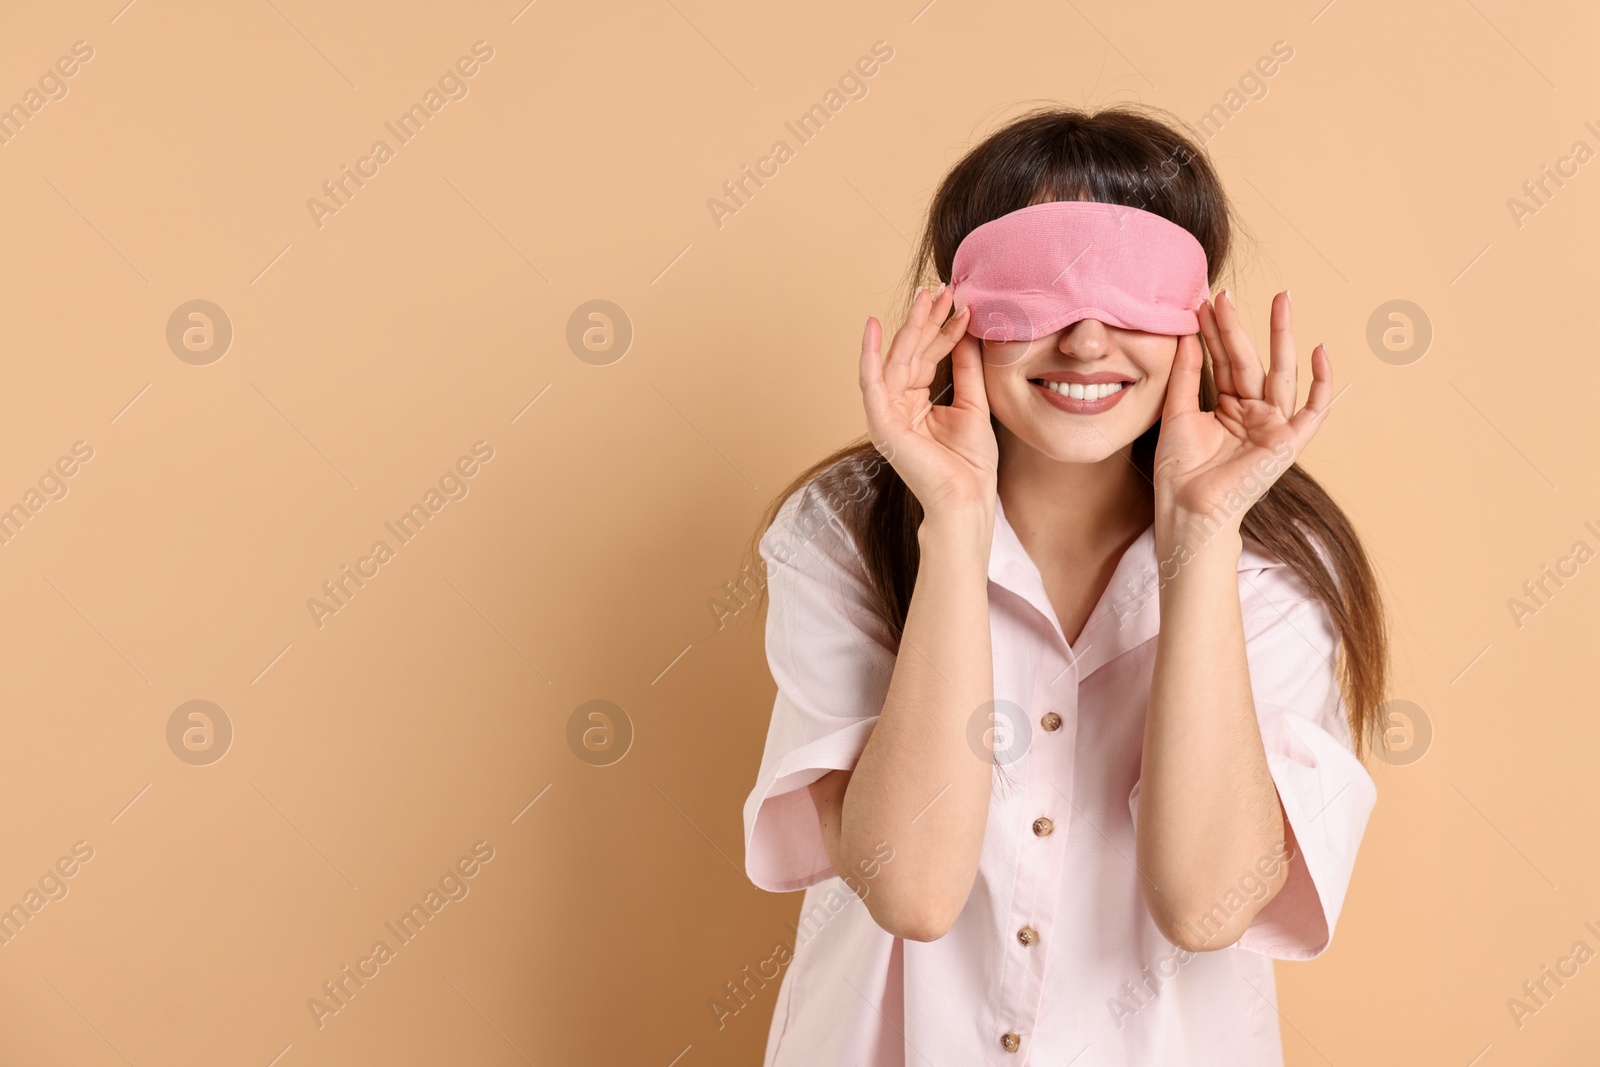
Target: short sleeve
<point>1291,644</point>
<point>831,656</point>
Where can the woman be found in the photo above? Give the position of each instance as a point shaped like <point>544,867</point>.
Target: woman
<point>1065,750</point>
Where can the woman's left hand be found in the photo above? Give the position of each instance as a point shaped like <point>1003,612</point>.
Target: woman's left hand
<point>1216,464</point>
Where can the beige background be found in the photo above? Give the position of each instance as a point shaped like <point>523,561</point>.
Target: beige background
<point>372,352</point>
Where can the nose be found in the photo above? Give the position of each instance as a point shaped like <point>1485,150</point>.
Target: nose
<point>1086,339</point>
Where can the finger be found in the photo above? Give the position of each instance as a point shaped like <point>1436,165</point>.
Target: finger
<point>1183,384</point>
<point>1319,401</point>
<point>1283,375</point>
<point>939,345</point>
<point>878,395</point>
<point>897,365</point>
<point>936,336</point>
<point>929,310</point>
<point>937,303</point>
<point>873,392</point>
<point>966,369</point>
<point>939,333</point>
<point>1243,362</point>
<point>1220,372</point>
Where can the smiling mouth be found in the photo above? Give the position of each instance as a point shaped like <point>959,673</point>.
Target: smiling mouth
<point>1081,390</point>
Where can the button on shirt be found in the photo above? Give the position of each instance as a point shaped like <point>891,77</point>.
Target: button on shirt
<point>1054,958</point>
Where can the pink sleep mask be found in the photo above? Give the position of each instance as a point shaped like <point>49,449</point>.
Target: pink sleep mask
<point>1044,267</point>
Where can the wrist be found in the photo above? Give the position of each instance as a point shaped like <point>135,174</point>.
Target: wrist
<point>1181,540</point>
<point>1175,521</point>
<point>961,528</point>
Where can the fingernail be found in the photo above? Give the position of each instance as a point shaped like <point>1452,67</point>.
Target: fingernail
<point>939,290</point>
<point>867,323</point>
<point>1288,297</point>
<point>916,294</point>
<point>1228,297</point>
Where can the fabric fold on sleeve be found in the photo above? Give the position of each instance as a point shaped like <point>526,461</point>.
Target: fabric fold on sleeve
<point>1327,794</point>
<point>831,656</point>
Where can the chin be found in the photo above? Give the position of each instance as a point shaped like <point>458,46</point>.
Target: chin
<point>1077,446</point>
<point>1076,439</point>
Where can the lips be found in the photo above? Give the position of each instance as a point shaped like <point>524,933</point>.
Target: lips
<point>1082,394</point>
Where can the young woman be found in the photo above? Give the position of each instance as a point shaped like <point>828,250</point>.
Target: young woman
<point>1074,664</point>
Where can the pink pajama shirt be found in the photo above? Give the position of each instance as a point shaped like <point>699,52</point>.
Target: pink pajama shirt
<point>1054,961</point>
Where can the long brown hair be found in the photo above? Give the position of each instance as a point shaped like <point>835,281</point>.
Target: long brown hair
<point>1121,155</point>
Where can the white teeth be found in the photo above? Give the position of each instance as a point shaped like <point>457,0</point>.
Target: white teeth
<point>1077,391</point>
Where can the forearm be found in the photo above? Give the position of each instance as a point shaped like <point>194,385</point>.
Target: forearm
<point>1208,808</point>
<point>919,785</point>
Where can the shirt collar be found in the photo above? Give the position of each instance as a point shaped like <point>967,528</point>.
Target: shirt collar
<point>1128,612</point>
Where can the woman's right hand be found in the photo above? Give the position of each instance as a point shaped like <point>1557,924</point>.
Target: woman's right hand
<point>946,454</point>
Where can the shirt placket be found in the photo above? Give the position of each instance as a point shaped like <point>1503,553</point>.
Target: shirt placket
<point>1125,617</point>
<point>1031,930</point>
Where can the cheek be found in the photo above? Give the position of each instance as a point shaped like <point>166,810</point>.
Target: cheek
<point>996,388</point>
<point>1156,364</point>
<point>1155,386</point>
<point>1003,380</point>
<point>1005,386</point>
<point>1152,391</point>
<point>1000,356</point>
